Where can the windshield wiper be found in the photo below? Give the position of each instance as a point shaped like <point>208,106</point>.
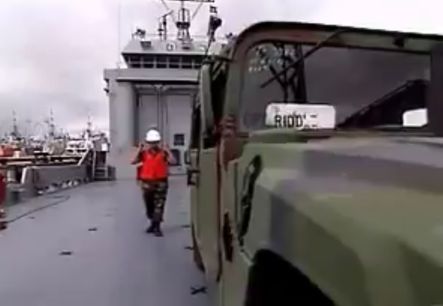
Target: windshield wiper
<point>308,53</point>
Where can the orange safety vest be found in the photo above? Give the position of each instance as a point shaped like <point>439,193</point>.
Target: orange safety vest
<point>154,166</point>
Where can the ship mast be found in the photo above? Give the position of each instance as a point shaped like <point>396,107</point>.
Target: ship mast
<point>15,131</point>
<point>183,23</point>
<point>183,20</point>
<point>51,126</point>
<point>89,128</point>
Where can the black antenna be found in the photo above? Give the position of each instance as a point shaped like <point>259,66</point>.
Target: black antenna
<point>163,25</point>
<point>214,23</point>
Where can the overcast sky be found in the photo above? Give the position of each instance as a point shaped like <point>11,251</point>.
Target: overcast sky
<point>53,52</point>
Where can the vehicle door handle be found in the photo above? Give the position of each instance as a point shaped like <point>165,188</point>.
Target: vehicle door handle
<point>250,177</point>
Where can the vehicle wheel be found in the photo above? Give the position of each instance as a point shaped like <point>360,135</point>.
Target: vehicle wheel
<point>196,253</point>
<point>273,281</point>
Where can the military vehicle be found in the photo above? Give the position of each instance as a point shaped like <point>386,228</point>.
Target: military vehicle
<point>309,183</point>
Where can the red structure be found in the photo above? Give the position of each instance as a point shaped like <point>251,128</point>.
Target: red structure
<point>6,151</point>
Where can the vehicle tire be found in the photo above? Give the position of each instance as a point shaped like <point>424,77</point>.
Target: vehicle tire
<point>273,281</point>
<point>196,252</point>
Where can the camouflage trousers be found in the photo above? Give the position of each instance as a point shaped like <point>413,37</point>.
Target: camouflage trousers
<point>154,196</point>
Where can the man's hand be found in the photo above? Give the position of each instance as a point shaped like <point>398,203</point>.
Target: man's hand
<point>136,159</point>
<point>166,148</point>
<point>171,158</point>
<point>141,146</point>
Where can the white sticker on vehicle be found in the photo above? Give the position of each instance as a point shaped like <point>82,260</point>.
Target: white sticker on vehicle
<point>300,116</point>
<point>415,117</point>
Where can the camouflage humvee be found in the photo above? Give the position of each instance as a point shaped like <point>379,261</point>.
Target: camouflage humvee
<point>316,168</point>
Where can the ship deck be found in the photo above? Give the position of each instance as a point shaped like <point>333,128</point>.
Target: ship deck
<point>87,246</point>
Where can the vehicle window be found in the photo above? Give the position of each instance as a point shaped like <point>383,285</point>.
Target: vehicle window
<point>367,88</point>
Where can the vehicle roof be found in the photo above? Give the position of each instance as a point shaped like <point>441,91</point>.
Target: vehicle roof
<point>352,36</point>
<point>334,27</point>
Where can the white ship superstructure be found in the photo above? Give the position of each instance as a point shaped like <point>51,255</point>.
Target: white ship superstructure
<point>157,86</point>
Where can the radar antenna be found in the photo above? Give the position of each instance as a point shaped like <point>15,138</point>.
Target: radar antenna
<point>214,23</point>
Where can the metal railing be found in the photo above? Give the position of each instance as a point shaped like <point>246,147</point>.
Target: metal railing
<point>37,180</point>
<point>34,175</point>
<point>37,159</point>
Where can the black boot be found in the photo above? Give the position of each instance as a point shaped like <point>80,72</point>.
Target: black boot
<point>157,231</point>
<point>151,228</point>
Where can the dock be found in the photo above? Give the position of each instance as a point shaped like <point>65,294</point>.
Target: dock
<point>87,246</point>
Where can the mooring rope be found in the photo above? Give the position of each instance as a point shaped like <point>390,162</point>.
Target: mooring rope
<point>60,200</point>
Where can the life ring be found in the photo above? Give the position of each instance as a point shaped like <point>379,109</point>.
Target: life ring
<point>170,47</point>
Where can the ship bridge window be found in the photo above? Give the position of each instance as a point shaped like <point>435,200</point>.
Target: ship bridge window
<point>186,62</point>
<point>162,61</point>
<point>192,62</point>
<point>174,62</point>
<point>148,62</point>
<point>197,62</point>
<point>134,61</point>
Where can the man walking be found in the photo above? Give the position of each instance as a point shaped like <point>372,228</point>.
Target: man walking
<point>152,160</point>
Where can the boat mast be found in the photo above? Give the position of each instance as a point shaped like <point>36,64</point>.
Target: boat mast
<point>183,20</point>
<point>89,128</point>
<point>51,125</point>
<point>15,131</point>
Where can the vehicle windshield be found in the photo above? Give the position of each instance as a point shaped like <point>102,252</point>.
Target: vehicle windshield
<point>368,88</point>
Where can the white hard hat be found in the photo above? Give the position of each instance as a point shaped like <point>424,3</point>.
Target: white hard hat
<point>153,136</point>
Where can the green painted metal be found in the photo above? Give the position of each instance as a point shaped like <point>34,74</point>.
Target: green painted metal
<point>359,213</point>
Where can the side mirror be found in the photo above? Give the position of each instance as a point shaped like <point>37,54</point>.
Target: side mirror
<point>192,177</point>
<point>187,158</point>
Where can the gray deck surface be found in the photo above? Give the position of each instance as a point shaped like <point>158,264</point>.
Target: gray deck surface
<point>116,265</point>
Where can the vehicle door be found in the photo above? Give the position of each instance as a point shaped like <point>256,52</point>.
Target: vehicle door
<point>205,219</point>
